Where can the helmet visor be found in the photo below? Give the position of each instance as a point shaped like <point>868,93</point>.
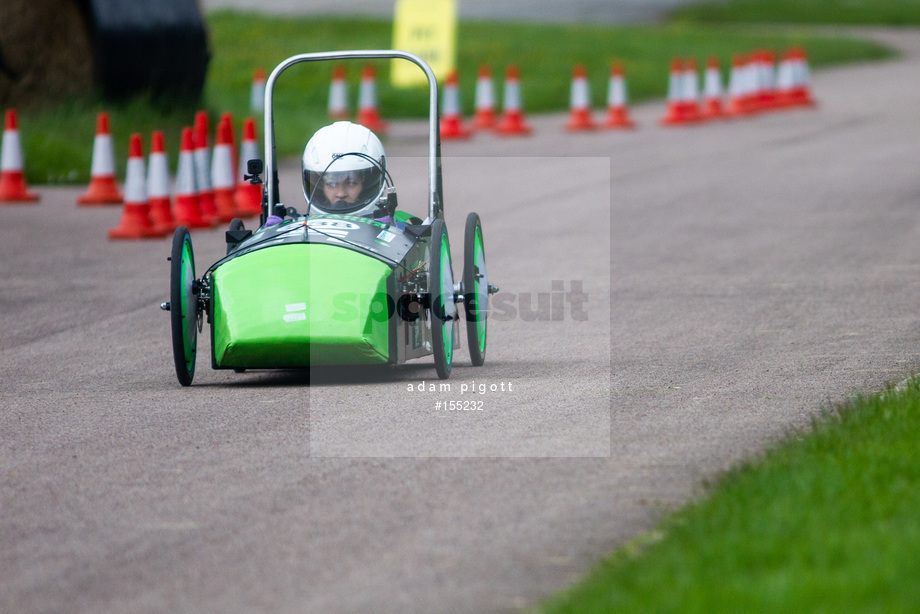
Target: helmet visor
<point>343,191</point>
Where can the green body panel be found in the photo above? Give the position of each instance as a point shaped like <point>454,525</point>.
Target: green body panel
<point>300,305</point>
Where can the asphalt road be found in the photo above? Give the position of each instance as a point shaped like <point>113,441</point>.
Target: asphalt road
<point>740,278</point>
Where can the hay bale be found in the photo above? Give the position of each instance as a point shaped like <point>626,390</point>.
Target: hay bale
<point>46,52</point>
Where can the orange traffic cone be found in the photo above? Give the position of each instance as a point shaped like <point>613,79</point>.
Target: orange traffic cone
<point>691,87</point>
<point>201,158</point>
<point>257,91</point>
<point>451,119</point>
<point>484,117</point>
<point>617,112</point>
<point>103,187</point>
<point>512,121</point>
<point>13,187</point>
<point>580,102</point>
<point>135,219</point>
<point>801,77</point>
<point>712,90</point>
<point>158,185</point>
<point>222,171</point>
<point>765,70</point>
<point>248,197</point>
<point>338,95</point>
<point>675,113</point>
<point>740,88</point>
<point>785,83</point>
<point>368,115</point>
<point>187,209</point>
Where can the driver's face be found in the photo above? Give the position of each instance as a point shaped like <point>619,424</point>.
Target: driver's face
<point>346,190</point>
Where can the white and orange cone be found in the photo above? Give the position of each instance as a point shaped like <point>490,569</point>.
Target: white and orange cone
<point>337,106</point>
<point>484,115</point>
<point>248,197</point>
<point>451,117</point>
<point>764,61</point>
<point>712,90</point>
<point>257,91</point>
<point>187,208</point>
<point>368,114</point>
<point>223,171</point>
<point>676,111</point>
<point>617,100</point>
<point>740,88</point>
<point>580,118</point>
<point>158,194</point>
<point>512,121</point>
<point>135,218</point>
<point>800,94</point>
<point>201,144</point>
<point>13,188</point>
<point>785,81</point>
<point>103,186</point>
<point>691,87</point>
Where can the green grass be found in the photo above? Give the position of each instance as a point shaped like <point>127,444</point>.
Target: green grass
<point>879,12</point>
<point>825,522</point>
<point>57,142</point>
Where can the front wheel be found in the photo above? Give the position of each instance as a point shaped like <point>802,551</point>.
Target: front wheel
<point>441,291</point>
<point>183,306</point>
<point>475,289</point>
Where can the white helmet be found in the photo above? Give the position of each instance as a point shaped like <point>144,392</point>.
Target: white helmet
<point>344,154</point>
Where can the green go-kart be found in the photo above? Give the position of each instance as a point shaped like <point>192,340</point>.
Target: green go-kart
<point>328,290</point>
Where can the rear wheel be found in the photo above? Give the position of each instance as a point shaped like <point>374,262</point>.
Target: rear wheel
<point>475,289</point>
<point>183,306</point>
<point>443,308</point>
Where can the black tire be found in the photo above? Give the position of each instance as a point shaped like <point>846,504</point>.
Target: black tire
<point>183,306</point>
<point>475,289</point>
<point>443,309</point>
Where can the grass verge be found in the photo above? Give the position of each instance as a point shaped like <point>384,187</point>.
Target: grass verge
<point>57,142</point>
<point>862,12</point>
<point>824,522</point>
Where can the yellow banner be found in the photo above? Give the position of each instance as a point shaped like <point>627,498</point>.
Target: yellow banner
<point>427,28</point>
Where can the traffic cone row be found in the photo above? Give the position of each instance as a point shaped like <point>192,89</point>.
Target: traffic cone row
<point>205,193</point>
<point>755,85</point>
<point>617,115</point>
<point>368,114</point>
<point>512,120</point>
